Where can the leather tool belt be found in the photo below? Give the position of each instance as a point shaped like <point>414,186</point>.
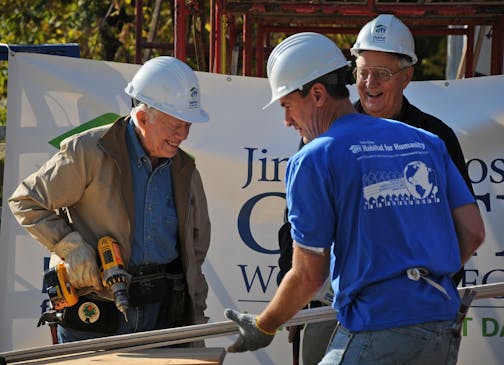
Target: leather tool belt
<point>165,284</point>
<point>156,283</point>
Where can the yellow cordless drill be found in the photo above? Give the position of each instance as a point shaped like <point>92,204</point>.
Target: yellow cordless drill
<point>113,275</point>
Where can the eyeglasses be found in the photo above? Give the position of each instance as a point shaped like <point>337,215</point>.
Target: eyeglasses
<point>380,73</point>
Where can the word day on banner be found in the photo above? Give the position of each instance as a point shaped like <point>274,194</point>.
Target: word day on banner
<point>241,154</point>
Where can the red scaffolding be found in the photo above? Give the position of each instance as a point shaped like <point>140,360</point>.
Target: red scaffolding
<point>241,31</point>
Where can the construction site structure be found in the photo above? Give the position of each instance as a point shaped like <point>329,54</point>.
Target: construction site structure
<point>241,32</point>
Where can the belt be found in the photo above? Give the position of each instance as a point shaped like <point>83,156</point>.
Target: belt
<point>173,267</point>
<point>154,284</point>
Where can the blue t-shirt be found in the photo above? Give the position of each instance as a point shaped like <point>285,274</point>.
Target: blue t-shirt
<point>379,193</point>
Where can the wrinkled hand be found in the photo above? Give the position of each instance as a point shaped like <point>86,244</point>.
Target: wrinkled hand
<point>251,337</point>
<point>80,260</point>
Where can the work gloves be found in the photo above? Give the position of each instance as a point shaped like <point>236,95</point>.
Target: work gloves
<point>80,260</point>
<point>251,336</point>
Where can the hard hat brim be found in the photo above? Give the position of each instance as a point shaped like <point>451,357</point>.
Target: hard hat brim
<point>355,52</point>
<point>272,101</point>
<point>198,116</point>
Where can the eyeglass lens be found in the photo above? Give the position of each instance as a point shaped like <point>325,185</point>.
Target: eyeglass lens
<point>380,73</point>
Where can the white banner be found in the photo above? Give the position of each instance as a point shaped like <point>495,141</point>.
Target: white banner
<point>241,155</point>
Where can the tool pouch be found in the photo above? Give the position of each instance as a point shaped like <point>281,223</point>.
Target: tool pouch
<point>92,314</point>
<point>176,311</point>
<point>168,289</point>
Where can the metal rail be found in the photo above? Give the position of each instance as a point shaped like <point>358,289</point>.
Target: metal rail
<point>173,336</point>
<point>485,291</point>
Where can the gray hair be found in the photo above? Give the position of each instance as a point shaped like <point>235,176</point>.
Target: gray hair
<point>146,109</point>
<point>404,61</point>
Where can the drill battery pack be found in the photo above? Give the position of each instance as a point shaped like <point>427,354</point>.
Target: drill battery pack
<point>61,293</point>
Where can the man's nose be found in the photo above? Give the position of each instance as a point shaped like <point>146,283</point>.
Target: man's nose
<point>372,79</point>
<point>182,133</point>
<point>287,120</point>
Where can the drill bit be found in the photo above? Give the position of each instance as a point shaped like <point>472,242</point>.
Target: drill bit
<point>121,301</point>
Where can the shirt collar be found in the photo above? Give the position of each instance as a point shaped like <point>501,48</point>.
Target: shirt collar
<point>136,150</point>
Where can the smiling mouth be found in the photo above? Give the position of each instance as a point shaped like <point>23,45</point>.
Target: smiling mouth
<point>374,95</point>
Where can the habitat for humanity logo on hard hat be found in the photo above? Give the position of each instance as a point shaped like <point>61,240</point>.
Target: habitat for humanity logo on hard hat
<point>193,98</point>
<point>380,32</point>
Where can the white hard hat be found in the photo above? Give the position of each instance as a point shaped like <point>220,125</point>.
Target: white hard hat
<point>299,59</point>
<point>385,33</point>
<point>168,85</point>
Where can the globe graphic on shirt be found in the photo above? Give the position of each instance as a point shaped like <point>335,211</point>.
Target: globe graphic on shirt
<point>419,179</point>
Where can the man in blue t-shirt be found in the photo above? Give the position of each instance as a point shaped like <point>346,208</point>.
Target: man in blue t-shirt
<point>376,203</point>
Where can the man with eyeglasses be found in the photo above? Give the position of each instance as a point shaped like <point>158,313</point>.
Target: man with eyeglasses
<point>385,56</point>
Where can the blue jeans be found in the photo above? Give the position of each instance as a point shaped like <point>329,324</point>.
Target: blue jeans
<point>143,318</point>
<point>316,338</point>
<point>430,343</point>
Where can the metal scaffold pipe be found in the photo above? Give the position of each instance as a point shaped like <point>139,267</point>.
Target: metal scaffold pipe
<point>173,336</point>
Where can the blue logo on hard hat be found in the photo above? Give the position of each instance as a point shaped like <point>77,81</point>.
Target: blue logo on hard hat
<point>381,28</point>
<point>193,97</point>
<point>379,34</point>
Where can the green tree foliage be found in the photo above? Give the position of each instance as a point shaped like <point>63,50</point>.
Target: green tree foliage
<point>432,53</point>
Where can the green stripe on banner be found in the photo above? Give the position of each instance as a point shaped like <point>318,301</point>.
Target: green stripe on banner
<point>97,122</point>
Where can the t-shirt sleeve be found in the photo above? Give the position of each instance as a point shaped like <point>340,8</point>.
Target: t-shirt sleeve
<point>457,191</point>
<point>311,211</point>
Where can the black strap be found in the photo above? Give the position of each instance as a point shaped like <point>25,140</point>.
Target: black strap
<point>174,267</point>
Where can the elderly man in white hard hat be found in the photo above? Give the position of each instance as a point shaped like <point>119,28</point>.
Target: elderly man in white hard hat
<point>385,57</point>
<point>132,181</point>
<point>357,216</point>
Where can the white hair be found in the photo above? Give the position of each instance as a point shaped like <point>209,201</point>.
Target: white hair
<point>404,61</point>
<point>146,109</point>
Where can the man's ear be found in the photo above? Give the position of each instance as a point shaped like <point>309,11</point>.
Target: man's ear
<point>408,76</point>
<point>141,117</point>
<point>319,93</point>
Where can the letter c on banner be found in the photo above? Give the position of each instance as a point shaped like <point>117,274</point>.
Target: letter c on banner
<point>244,222</point>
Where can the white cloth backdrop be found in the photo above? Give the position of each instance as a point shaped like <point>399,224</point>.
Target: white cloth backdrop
<point>241,154</point>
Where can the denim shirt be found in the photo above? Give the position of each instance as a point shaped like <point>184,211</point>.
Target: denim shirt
<point>155,226</point>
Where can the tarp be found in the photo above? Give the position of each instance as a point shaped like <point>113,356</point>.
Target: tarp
<point>241,154</point>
